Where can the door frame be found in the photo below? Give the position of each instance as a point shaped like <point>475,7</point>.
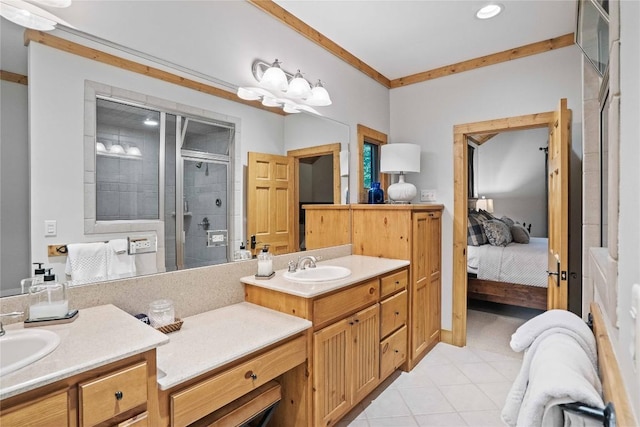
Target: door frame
<point>303,153</point>
<point>461,134</point>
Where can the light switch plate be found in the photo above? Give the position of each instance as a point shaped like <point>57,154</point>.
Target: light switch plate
<point>427,195</point>
<point>50,227</point>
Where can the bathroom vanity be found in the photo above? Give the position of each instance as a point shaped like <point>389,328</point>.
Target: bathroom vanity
<point>359,328</point>
<point>102,372</point>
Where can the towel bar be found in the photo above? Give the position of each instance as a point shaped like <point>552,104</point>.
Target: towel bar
<point>607,415</point>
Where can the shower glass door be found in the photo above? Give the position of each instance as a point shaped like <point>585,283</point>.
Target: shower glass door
<point>197,181</point>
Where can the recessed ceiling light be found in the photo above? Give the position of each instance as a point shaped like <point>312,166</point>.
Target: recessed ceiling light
<point>150,122</point>
<point>489,11</point>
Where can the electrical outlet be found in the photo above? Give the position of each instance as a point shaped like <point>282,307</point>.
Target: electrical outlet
<point>427,195</point>
<point>143,244</point>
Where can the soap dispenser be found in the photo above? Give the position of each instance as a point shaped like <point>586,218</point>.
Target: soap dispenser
<point>38,276</point>
<point>48,300</point>
<point>265,264</point>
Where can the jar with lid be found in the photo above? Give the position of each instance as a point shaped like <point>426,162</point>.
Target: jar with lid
<point>161,313</point>
<point>265,262</point>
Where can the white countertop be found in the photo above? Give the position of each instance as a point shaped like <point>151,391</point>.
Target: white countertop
<point>215,338</point>
<point>362,268</point>
<point>100,335</point>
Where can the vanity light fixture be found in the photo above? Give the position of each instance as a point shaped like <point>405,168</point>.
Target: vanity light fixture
<point>489,11</point>
<point>30,16</point>
<point>278,88</point>
<point>118,150</point>
<point>150,122</point>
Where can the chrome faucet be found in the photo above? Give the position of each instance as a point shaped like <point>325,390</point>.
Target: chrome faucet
<point>308,259</point>
<point>12,314</point>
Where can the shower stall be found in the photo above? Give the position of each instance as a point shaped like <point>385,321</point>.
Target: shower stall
<point>174,168</point>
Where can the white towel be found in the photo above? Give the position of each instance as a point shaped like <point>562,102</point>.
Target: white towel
<point>524,336</point>
<point>119,263</point>
<point>529,336</point>
<point>560,372</point>
<point>86,262</point>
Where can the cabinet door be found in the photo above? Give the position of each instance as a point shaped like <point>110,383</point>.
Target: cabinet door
<point>365,338</point>
<point>420,280</point>
<point>50,410</point>
<point>332,372</point>
<point>435,283</point>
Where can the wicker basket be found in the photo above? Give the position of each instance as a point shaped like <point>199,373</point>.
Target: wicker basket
<point>172,327</point>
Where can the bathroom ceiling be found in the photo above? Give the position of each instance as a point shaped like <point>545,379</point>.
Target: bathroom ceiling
<point>399,38</point>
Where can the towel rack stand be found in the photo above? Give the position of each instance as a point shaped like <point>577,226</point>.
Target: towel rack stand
<point>607,415</point>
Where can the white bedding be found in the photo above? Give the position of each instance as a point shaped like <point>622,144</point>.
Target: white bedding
<point>525,264</point>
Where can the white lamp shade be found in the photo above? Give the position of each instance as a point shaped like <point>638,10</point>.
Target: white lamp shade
<point>274,78</point>
<point>299,87</point>
<point>399,158</point>
<point>248,94</point>
<point>485,205</point>
<point>29,15</point>
<point>319,96</point>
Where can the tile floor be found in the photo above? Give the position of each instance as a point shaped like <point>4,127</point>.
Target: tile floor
<point>451,386</point>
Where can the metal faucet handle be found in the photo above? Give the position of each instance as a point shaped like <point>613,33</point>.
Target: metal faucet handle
<point>292,266</point>
<point>12,314</point>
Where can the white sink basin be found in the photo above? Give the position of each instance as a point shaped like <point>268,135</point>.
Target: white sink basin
<point>20,348</point>
<point>321,273</point>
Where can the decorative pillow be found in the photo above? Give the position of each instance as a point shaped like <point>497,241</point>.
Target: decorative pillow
<point>497,232</point>
<point>475,232</point>
<point>485,215</point>
<point>507,220</point>
<point>519,233</point>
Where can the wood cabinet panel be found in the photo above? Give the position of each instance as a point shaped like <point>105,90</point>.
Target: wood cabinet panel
<point>50,410</point>
<point>393,313</point>
<point>365,338</point>
<point>393,352</point>
<point>326,226</point>
<point>345,302</point>
<point>382,233</point>
<point>393,282</point>
<point>110,395</point>
<point>205,397</point>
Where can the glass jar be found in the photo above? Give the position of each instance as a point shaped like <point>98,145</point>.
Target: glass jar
<point>376,194</point>
<point>161,313</point>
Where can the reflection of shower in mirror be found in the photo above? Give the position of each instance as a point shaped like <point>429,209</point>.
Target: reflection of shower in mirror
<point>206,168</point>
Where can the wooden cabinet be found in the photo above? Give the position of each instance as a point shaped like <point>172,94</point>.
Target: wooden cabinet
<point>326,225</point>
<point>120,393</point>
<point>346,343</point>
<point>411,232</point>
<point>345,364</point>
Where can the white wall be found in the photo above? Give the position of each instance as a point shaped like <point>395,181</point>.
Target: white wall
<point>425,114</point>
<point>511,171</point>
<point>629,228</point>
<point>14,187</point>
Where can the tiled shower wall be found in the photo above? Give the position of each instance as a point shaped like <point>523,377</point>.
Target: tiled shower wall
<point>127,189</point>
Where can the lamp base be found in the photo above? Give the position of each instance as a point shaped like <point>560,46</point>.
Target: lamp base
<point>401,192</point>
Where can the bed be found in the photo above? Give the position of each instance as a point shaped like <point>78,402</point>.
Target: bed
<point>514,274</point>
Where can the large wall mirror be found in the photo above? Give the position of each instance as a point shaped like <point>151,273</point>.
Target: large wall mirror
<point>81,112</point>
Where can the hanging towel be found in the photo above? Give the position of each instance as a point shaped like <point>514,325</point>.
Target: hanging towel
<point>86,262</point>
<point>560,372</point>
<point>119,263</point>
<point>529,337</point>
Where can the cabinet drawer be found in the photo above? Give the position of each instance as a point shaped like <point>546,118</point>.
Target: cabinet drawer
<point>140,420</point>
<point>112,394</point>
<point>48,411</point>
<point>201,399</point>
<point>393,313</point>
<point>345,302</point>
<point>393,282</point>
<point>393,352</point>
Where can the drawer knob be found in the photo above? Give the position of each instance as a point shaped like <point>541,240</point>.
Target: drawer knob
<point>251,375</point>
<point>396,351</point>
<point>397,282</point>
<point>372,290</point>
<point>397,313</point>
<point>119,395</point>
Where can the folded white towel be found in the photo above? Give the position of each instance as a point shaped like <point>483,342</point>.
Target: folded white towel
<point>524,336</point>
<point>119,263</point>
<point>560,372</point>
<point>86,262</point>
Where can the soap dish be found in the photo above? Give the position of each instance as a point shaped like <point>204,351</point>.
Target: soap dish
<point>171,327</point>
<point>258,277</point>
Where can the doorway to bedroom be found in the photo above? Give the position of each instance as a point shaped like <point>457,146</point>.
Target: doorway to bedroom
<point>555,125</point>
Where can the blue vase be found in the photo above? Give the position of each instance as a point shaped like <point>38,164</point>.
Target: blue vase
<point>376,194</point>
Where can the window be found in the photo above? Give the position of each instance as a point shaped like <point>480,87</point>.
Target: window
<point>369,142</point>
